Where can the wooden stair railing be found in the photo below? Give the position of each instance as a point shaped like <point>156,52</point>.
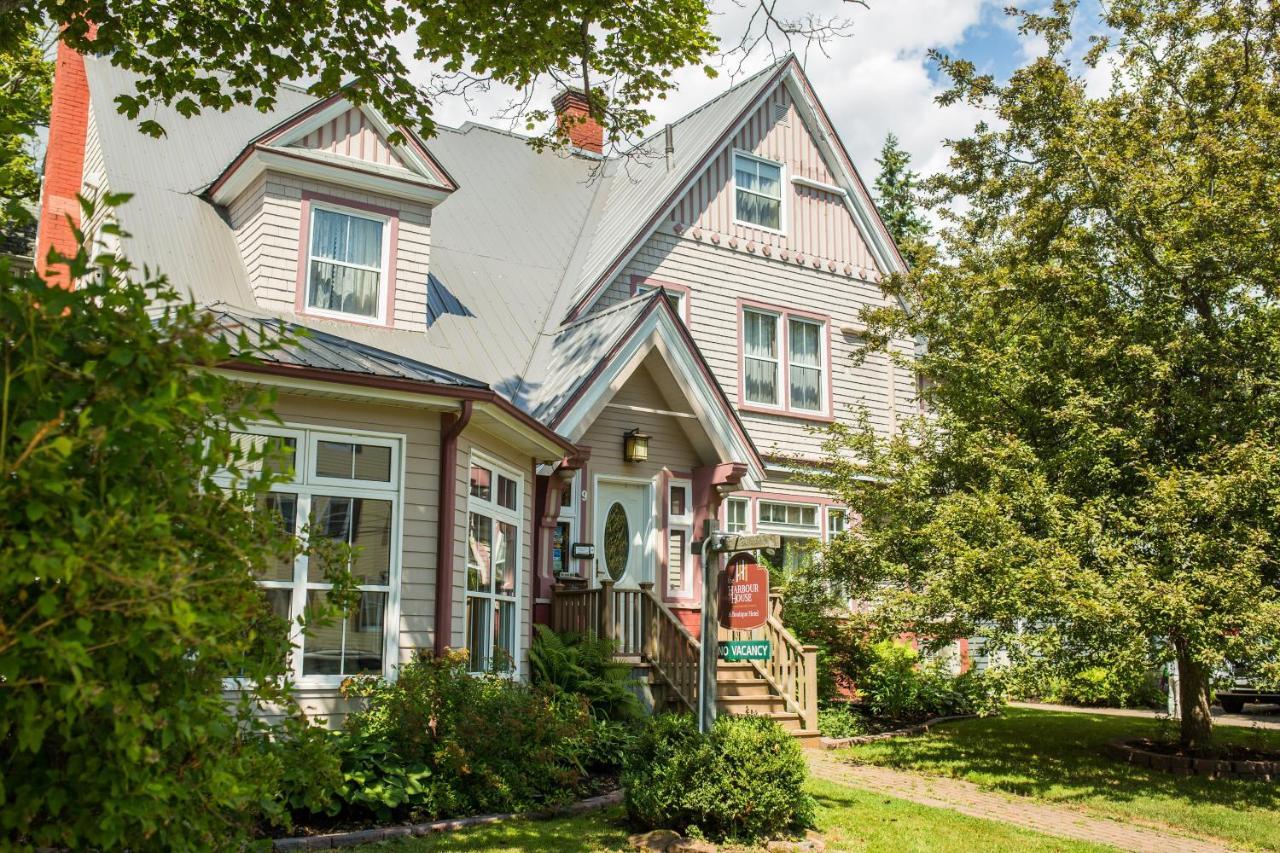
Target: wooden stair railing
<point>792,668</point>
<point>669,648</point>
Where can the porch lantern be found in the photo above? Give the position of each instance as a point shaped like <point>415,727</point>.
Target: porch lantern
<point>635,446</point>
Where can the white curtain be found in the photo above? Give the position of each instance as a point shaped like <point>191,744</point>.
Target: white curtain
<point>340,246</point>
<point>806,365</point>
<point>760,351</point>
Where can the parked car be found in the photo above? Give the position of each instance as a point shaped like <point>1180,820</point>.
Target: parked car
<point>1243,689</point>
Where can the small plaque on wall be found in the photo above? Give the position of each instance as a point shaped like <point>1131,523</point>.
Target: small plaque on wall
<point>582,551</point>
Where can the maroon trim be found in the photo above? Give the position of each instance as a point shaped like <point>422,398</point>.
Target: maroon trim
<point>446,523</point>
<point>304,254</point>
<point>412,386</point>
<point>701,360</point>
<point>637,281</point>
<point>608,275</point>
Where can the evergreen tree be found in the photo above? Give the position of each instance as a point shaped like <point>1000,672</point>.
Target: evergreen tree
<point>896,191</point>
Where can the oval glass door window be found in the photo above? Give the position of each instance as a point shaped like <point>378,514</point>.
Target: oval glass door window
<point>617,541</point>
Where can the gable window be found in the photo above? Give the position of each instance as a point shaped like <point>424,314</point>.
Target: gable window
<point>346,263</point>
<point>493,568</point>
<point>757,188</point>
<point>775,343</point>
<point>344,487</point>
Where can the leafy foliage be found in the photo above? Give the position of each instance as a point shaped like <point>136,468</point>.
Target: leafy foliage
<point>584,665</point>
<point>1103,359</point>
<point>838,720</point>
<point>743,781</point>
<point>899,686</point>
<point>897,198</point>
<point>217,55</point>
<point>127,589</point>
<point>474,744</point>
<point>26,80</point>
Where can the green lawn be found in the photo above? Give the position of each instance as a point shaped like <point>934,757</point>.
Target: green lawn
<point>849,820</point>
<point>1059,757</point>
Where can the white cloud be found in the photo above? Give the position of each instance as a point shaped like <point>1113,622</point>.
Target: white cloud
<point>874,82</point>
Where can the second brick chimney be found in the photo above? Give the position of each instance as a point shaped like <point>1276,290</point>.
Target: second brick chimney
<point>63,165</point>
<point>573,109</point>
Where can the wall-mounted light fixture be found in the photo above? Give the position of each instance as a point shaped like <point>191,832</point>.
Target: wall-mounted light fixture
<point>635,446</point>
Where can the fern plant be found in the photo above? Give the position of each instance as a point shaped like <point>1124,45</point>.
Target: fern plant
<point>584,665</point>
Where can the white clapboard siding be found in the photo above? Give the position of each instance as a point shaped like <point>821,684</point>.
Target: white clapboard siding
<point>267,219</point>
<point>718,276</point>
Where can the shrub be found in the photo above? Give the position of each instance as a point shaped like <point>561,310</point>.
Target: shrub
<point>489,743</point>
<point>744,781</point>
<point>839,720</point>
<point>584,665</point>
<point>127,590</point>
<point>898,686</point>
<point>1099,686</point>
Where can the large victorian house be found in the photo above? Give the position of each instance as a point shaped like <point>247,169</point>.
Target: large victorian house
<point>530,378</point>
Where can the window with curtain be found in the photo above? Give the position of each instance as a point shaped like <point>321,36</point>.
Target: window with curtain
<point>760,357</point>
<point>493,568</point>
<point>804,341</point>
<point>345,263</point>
<point>346,488</point>
<point>767,334</point>
<point>757,191</point>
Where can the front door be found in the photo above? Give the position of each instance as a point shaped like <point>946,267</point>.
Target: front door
<point>623,515</point>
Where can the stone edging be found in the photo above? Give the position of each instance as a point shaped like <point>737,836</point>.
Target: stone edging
<point>1213,768</point>
<point>917,729</point>
<point>365,836</point>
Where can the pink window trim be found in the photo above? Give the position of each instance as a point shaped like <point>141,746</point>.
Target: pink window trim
<point>668,480</point>
<point>637,281</point>
<point>304,251</point>
<point>784,352</point>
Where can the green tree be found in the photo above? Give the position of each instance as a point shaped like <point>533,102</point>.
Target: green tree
<point>26,78</point>
<point>897,194</point>
<point>1103,359</point>
<point>127,570</point>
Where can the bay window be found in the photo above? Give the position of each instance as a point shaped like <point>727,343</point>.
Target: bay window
<point>493,567</point>
<point>345,487</point>
<point>774,342</point>
<point>346,263</point>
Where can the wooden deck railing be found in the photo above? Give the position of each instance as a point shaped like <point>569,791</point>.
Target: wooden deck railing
<point>669,648</point>
<point>792,669</point>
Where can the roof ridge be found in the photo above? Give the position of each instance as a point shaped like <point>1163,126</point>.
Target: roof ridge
<point>612,309</point>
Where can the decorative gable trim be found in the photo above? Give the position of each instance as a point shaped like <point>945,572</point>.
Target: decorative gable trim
<point>850,189</point>
<point>415,175</point>
<point>659,327</point>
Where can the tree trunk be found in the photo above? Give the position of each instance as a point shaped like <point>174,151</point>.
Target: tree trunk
<point>1193,699</point>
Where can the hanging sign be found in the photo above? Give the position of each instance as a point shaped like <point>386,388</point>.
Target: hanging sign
<point>744,594</point>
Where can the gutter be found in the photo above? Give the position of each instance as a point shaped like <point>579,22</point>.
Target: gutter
<point>447,505</point>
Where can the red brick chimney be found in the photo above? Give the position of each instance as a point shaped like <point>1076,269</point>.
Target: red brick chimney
<point>585,132</point>
<point>63,164</point>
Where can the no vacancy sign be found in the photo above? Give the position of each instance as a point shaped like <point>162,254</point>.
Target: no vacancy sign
<point>744,594</point>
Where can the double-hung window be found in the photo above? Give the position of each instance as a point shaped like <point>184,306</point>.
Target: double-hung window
<point>737,512</point>
<point>346,263</point>
<point>344,486</point>
<point>774,340</point>
<point>837,522</point>
<point>757,188</point>
<point>493,567</point>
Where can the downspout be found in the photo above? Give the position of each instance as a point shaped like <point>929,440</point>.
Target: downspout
<point>445,522</point>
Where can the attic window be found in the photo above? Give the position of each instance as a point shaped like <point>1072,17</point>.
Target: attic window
<point>346,264</point>
<point>757,187</point>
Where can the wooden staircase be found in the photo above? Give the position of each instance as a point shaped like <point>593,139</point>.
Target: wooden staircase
<point>664,656</point>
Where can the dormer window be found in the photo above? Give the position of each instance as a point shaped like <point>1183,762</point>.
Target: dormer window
<point>757,189</point>
<point>346,264</point>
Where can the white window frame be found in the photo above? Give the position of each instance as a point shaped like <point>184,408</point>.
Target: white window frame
<point>496,512</point>
<point>783,182</point>
<point>782,365</point>
<point>306,486</point>
<point>831,513</point>
<point>682,524</point>
<point>746,514</point>
<point>383,270</point>
<point>780,340</point>
<point>681,297</point>
<point>798,530</point>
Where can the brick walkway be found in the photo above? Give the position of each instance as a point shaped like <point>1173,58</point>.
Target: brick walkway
<point>967,798</point>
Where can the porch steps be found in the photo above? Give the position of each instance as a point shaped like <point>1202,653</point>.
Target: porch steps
<point>739,691</point>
